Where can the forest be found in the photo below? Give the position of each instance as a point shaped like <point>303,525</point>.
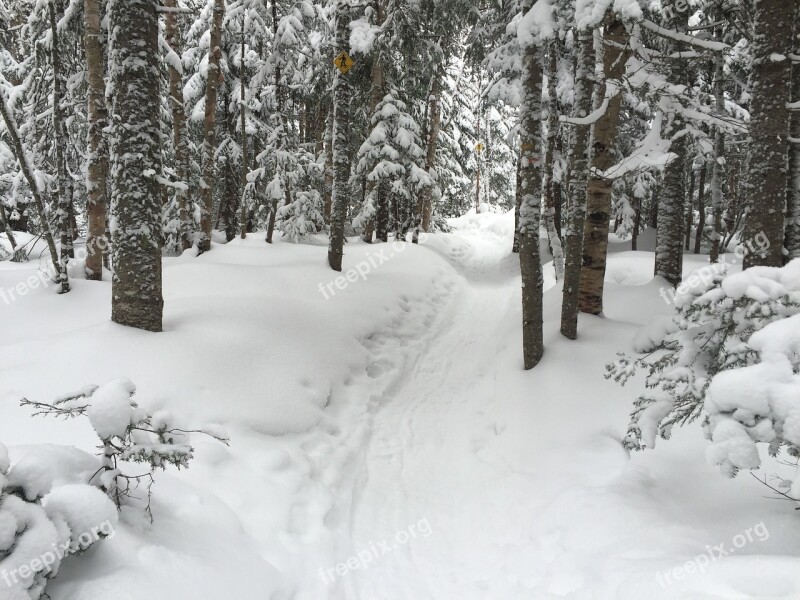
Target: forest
<point>400,299</point>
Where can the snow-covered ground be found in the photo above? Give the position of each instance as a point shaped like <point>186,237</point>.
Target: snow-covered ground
<point>385,442</point>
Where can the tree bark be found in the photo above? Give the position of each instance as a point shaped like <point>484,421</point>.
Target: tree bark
<point>548,186</point>
<point>718,166</point>
<point>576,217</point>
<point>209,128</point>
<point>598,198</point>
<point>179,129</point>
<point>530,207</point>
<point>792,237</point>
<point>701,209</point>
<point>135,160</point>
<point>62,197</point>
<point>243,133</point>
<point>769,132</point>
<point>342,95</point>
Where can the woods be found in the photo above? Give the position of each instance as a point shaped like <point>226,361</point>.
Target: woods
<point>594,121</point>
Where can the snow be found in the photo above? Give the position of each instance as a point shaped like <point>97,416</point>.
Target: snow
<point>397,402</point>
<point>87,512</point>
<point>110,409</point>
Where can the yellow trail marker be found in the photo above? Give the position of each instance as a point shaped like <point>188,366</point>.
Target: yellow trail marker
<point>479,147</point>
<point>343,62</point>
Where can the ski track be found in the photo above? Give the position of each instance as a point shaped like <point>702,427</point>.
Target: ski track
<point>420,435</point>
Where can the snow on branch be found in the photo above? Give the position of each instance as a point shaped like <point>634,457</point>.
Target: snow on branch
<point>682,37</point>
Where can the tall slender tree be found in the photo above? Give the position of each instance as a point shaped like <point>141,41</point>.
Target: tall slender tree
<point>135,164</point>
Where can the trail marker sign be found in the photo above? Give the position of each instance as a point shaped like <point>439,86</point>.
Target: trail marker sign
<point>343,62</point>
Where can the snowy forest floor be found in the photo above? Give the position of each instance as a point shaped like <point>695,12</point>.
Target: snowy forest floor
<point>385,442</point>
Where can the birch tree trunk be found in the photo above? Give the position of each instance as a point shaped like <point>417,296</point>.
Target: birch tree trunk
<point>209,129</point>
<point>342,96</point>
<point>63,199</point>
<point>598,195</point>
<point>530,206</point>
<point>576,217</point>
<point>548,187</point>
<point>97,159</point>
<point>769,132</point>
<point>179,129</point>
<point>135,160</point>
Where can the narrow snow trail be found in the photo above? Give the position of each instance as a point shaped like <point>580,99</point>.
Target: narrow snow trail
<point>485,482</point>
<point>426,487</point>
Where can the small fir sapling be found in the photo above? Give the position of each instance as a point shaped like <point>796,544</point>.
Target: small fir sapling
<point>129,434</point>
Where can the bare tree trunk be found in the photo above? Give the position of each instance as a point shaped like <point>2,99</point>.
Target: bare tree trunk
<point>62,199</point>
<point>717,167</point>
<point>517,203</point>
<point>243,142</point>
<point>598,199</point>
<point>637,223</point>
<point>434,129</point>
<point>701,209</point>
<point>135,157</point>
<point>179,129</point>
<point>327,190</point>
<point>377,191</point>
<point>548,191</point>
<point>576,217</point>
<point>792,237</point>
<point>769,132</point>
<point>689,211</point>
<point>530,208</point>
<point>209,129</point>
<point>342,94</point>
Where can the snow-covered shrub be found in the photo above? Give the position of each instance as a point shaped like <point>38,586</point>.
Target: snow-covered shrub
<point>731,355</point>
<point>304,216</point>
<point>37,533</point>
<point>128,434</point>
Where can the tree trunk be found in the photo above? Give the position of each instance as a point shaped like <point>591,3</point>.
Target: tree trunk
<point>530,208</point>
<point>327,189</point>
<point>701,209</point>
<point>669,231</point>
<point>135,156</point>
<point>243,133</point>
<point>792,237</point>
<point>209,128</point>
<point>717,167</point>
<point>342,95</point>
<point>769,132</point>
<point>689,211</point>
<point>179,129</point>
<point>63,200</point>
<point>576,217</point>
<point>517,203</point>
<point>548,167</point>
<point>377,191</point>
<point>434,129</point>
<point>598,195</point>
